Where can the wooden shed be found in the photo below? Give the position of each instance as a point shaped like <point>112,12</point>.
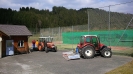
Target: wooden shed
<point>14,39</point>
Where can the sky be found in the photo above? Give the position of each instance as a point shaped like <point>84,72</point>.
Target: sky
<point>122,6</point>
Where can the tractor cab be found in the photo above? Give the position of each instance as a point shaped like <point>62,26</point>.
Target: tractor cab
<point>47,39</point>
<point>92,40</point>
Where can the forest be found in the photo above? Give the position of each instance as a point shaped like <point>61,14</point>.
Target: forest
<point>58,17</point>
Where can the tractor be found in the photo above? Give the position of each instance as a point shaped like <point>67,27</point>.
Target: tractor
<point>46,44</point>
<point>90,45</point>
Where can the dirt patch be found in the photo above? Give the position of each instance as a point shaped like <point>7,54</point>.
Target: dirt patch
<point>119,48</point>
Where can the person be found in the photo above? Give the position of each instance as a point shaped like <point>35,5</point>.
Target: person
<point>33,44</point>
<point>39,46</point>
<point>42,44</point>
<point>36,43</point>
<point>77,50</point>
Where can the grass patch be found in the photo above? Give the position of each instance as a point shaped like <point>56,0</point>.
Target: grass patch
<point>32,38</point>
<point>66,46</point>
<point>125,69</point>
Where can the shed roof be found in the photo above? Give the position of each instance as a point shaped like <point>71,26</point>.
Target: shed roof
<point>15,30</point>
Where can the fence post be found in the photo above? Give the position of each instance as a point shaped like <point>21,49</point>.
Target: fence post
<point>72,37</point>
<point>109,27</point>
<point>52,33</point>
<point>49,31</point>
<point>59,33</point>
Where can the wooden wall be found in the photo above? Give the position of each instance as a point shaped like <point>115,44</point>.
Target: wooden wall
<point>18,50</point>
<point>16,39</point>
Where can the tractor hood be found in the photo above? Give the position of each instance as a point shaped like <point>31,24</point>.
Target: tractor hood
<point>50,45</point>
<point>80,45</point>
<point>101,45</point>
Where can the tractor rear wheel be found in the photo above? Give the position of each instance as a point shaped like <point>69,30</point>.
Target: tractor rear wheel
<point>88,52</point>
<point>106,52</point>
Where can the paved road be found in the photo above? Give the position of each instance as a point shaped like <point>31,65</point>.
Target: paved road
<point>53,63</point>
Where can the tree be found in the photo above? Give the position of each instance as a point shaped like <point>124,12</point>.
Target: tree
<point>60,16</point>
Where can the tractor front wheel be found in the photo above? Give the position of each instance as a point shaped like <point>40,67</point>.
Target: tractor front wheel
<point>46,49</point>
<point>88,52</point>
<point>106,52</point>
<point>55,49</point>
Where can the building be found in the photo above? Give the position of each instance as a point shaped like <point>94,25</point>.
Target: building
<point>14,39</point>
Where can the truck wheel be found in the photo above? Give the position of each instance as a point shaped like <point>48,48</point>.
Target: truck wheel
<point>46,49</point>
<point>88,52</point>
<point>106,52</point>
<point>55,49</point>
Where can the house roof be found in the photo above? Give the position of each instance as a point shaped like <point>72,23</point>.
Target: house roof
<point>15,30</point>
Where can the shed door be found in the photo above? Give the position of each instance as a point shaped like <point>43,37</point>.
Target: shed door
<point>9,47</point>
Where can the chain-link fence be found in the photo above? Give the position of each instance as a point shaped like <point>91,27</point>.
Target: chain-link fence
<point>115,27</point>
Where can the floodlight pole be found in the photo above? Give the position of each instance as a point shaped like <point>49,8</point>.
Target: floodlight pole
<point>88,20</point>
<point>109,27</point>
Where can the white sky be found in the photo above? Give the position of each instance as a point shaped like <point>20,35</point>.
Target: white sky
<point>73,4</point>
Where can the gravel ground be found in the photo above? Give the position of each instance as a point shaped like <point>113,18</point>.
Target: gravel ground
<point>53,63</point>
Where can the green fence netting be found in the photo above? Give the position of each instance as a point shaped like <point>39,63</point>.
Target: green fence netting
<point>112,38</point>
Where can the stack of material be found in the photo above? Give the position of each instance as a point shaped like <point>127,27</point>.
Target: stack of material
<point>70,55</point>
